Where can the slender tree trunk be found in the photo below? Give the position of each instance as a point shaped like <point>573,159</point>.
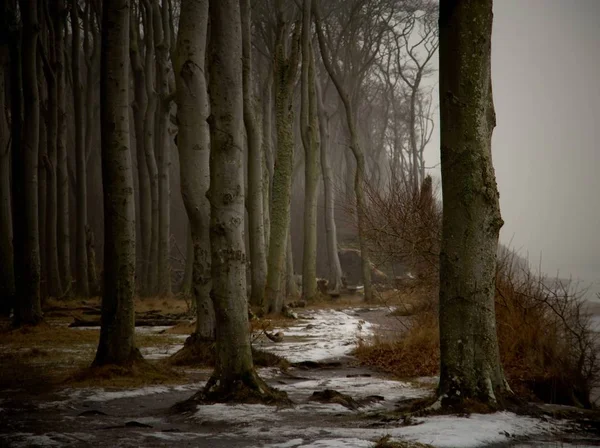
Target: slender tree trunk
<point>258,256</point>
<point>310,140</point>
<point>188,274</point>
<point>117,342</point>
<point>7,273</point>
<point>267,154</point>
<point>359,156</point>
<point>335,267</point>
<point>162,146</point>
<point>25,176</point>
<point>81,271</point>
<point>43,171</point>
<point>285,75</point>
<point>193,142</point>
<point>291,287</point>
<point>151,271</point>
<point>140,105</point>
<point>470,361</point>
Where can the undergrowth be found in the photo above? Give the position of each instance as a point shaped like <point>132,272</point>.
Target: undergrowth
<point>547,347</point>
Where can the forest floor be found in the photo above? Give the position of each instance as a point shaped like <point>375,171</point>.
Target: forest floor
<point>45,402</point>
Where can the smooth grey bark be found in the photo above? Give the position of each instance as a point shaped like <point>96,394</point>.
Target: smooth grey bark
<point>81,257</point>
<point>28,309</point>
<point>117,332</point>
<point>7,273</point>
<point>359,156</point>
<point>162,45</point>
<point>234,367</point>
<point>267,153</point>
<point>291,287</point>
<point>140,103</point>
<point>188,274</point>
<point>258,254</point>
<point>193,142</point>
<point>310,141</point>
<point>151,266</point>
<point>285,68</point>
<point>335,267</point>
<point>470,361</point>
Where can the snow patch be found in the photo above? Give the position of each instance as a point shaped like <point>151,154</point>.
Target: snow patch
<point>319,335</point>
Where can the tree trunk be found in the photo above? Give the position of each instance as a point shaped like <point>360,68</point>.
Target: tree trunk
<point>151,269</point>
<point>28,309</point>
<point>267,154</point>
<point>140,105</point>
<point>285,75</point>
<point>43,171</point>
<point>81,271</point>
<point>291,287</point>
<point>7,273</point>
<point>193,142</point>
<point>234,369</point>
<point>188,273</point>
<point>162,146</point>
<point>335,267</point>
<point>470,362</point>
<point>359,156</point>
<point>117,342</point>
<point>310,141</point>
<point>258,256</point>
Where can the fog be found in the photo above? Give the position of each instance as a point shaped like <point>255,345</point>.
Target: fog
<point>546,146</point>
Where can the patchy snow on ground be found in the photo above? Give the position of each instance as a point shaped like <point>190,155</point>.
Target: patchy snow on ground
<point>49,439</point>
<point>320,335</point>
<point>325,443</point>
<point>474,431</point>
<point>160,352</point>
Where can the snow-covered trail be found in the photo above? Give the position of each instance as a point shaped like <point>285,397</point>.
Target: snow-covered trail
<point>98,417</point>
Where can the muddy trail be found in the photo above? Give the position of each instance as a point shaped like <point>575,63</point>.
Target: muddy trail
<point>337,403</point>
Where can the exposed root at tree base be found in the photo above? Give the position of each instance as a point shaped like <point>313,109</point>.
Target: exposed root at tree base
<point>246,389</point>
<point>137,372</point>
<point>199,352</point>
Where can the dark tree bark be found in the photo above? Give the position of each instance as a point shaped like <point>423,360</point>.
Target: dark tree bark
<point>470,361</point>
<point>117,342</point>
<point>81,261</point>
<point>25,177</point>
<point>7,273</point>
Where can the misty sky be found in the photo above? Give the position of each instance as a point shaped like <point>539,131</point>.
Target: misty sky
<point>546,146</point>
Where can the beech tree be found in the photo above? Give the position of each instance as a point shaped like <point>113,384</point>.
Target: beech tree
<point>25,174</point>
<point>117,342</point>
<point>470,360</point>
<point>193,141</point>
<point>234,376</point>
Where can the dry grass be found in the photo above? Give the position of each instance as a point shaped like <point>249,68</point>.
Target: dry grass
<point>386,442</point>
<point>547,348</point>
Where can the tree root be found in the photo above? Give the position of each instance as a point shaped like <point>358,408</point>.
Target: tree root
<point>247,389</point>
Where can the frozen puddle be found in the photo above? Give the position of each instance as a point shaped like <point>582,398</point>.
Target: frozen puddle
<point>319,335</point>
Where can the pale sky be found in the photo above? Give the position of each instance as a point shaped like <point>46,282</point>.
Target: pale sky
<point>546,146</point>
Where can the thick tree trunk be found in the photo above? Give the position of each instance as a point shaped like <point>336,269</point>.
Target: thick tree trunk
<point>335,267</point>
<point>163,145</point>
<point>285,75</point>
<point>25,176</point>
<point>470,362</point>
<point>291,287</point>
<point>140,105</point>
<point>359,156</point>
<point>117,342</point>
<point>81,261</point>
<point>151,266</point>
<point>43,171</point>
<point>234,369</point>
<point>188,273</point>
<point>193,142</point>
<point>258,255</point>
<point>310,141</point>
<point>7,273</point>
